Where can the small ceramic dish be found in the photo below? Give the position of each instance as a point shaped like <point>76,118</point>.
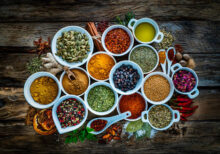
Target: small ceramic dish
<point>99,52</point>
<point>61,80</point>
<point>100,84</point>
<point>56,120</point>
<point>194,92</point>
<point>115,27</point>
<point>149,46</point>
<point>27,93</point>
<point>54,44</point>
<point>171,88</point>
<point>173,112</point>
<point>119,112</point>
<point>139,83</point>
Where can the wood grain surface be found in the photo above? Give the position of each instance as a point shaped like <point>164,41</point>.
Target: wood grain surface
<point>195,25</point>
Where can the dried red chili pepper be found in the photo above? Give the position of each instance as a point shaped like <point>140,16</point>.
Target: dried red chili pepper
<point>102,26</point>
<point>41,47</point>
<point>178,48</point>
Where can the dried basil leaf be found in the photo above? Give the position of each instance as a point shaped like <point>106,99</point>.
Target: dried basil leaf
<point>134,126</point>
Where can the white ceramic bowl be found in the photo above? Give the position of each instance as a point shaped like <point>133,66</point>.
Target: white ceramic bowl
<point>139,83</point>
<point>54,43</point>
<point>119,112</point>
<point>194,92</point>
<point>100,84</point>
<point>27,93</point>
<point>115,27</point>
<point>61,80</point>
<point>99,52</point>
<point>173,112</point>
<point>56,120</point>
<point>149,46</point>
<point>171,88</point>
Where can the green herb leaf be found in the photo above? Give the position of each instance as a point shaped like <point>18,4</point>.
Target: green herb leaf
<point>90,137</point>
<point>145,131</point>
<point>68,140</point>
<point>89,129</point>
<point>134,126</point>
<point>75,139</point>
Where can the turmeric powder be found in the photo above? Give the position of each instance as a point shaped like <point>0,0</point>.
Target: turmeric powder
<point>100,66</point>
<point>44,90</point>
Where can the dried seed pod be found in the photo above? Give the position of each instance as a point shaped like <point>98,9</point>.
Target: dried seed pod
<point>186,57</point>
<point>191,63</point>
<point>183,63</point>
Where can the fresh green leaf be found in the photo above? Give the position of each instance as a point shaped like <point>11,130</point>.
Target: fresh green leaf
<point>90,137</point>
<point>68,140</point>
<point>89,129</point>
<point>75,139</point>
<point>134,126</point>
<point>145,131</point>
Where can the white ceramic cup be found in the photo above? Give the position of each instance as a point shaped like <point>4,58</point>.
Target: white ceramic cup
<point>100,84</point>
<point>27,93</point>
<point>99,52</point>
<point>133,23</point>
<point>194,92</point>
<point>61,80</point>
<point>173,112</point>
<point>119,112</point>
<point>115,27</point>
<point>171,88</point>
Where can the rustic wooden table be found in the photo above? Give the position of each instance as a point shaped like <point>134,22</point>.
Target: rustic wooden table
<point>195,25</point>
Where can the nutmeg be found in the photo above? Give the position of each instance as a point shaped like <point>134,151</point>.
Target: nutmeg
<point>179,56</point>
<point>183,63</point>
<point>186,57</point>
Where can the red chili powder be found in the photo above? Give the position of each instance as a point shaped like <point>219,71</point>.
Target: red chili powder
<point>117,41</point>
<point>134,103</point>
<point>171,54</point>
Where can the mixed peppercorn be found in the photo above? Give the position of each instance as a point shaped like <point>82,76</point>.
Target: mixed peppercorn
<point>125,77</point>
<point>70,112</point>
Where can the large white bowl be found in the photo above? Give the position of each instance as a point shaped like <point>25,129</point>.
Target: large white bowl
<point>56,120</point>
<point>149,46</point>
<point>139,83</point>
<point>62,75</point>
<point>99,52</point>
<point>100,84</point>
<point>27,93</point>
<point>171,88</point>
<point>115,27</point>
<point>54,43</point>
<point>119,112</point>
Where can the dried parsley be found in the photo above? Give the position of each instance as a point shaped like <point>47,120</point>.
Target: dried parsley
<point>160,116</point>
<point>101,98</point>
<point>145,57</point>
<point>34,65</point>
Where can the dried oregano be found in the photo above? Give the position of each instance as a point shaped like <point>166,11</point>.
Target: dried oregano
<point>34,65</point>
<point>167,40</point>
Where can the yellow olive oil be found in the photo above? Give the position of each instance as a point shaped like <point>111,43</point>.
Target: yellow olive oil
<point>145,32</point>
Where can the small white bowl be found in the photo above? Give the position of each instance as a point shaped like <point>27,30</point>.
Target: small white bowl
<point>149,46</point>
<point>27,93</point>
<point>171,88</point>
<point>100,84</point>
<point>115,27</point>
<point>56,120</point>
<point>54,44</point>
<point>139,83</point>
<point>99,52</point>
<point>61,80</point>
<point>119,112</point>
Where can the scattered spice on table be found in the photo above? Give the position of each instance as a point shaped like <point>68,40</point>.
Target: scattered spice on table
<point>125,77</point>
<point>102,26</point>
<point>42,47</point>
<point>43,122</point>
<point>156,88</point>
<point>100,66</point>
<point>134,103</point>
<point>70,112</point>
<point>98,124</point>
<point>160,116</point>
<point>101,98</point>
<point>184,81</point>
<point>78,85</point>
<point>145,57</point>
<point>73,46</point>
<point>44,90</point>
<point>112,133</point>
<point>34,65</point>
<point>167,41</point>
<point>178,48</point>
<point>162,57</point>
<point>91,28</point>
<point>117,41</point>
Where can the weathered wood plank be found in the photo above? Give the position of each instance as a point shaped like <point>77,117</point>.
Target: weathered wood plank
<point>96,10</point>
<point>194,36</point>
<point>13,105</point>
<point>13,71</point>
<point>194,137</point>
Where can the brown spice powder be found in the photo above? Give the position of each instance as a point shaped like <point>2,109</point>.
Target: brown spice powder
<point>156,88</point>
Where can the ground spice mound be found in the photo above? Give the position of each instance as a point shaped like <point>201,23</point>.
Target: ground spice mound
<point>156,88</point>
